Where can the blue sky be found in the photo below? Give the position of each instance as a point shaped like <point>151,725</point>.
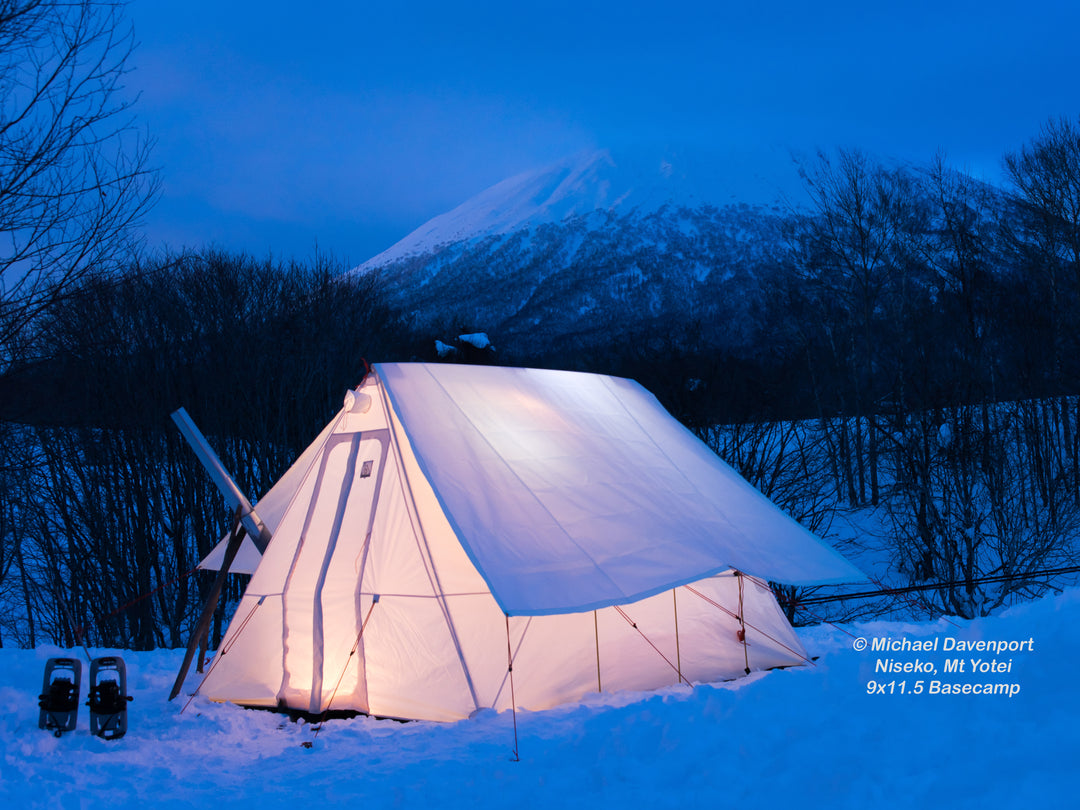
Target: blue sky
<point>282,126</point>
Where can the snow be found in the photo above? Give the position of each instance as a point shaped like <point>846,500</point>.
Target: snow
<point>546,195</point>
<point>944,435</point>
<point>478,340</point>
<point>811,735</point>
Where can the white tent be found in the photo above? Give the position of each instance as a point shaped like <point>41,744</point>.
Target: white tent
<point>453,518</point>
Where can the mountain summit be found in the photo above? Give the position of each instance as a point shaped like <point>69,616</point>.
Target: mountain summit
<point>588,249</point>
<point>586,183</point>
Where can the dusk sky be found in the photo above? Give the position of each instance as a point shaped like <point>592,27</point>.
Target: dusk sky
<point>280,126</point>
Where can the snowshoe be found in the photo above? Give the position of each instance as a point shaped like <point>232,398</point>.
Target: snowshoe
<point>59,698</point>
<point>108,698</point>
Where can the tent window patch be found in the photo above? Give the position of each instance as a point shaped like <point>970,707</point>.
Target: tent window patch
<point>365,470</point>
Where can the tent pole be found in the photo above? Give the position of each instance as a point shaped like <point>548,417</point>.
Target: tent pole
<point>513,700</point>
<point>742,623</point>
<point>678,655</point>
<point>596,628</point>
<point>203,626</point>
<point>260,535</point>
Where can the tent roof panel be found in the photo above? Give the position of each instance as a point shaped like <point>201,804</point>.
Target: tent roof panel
<point>574,491</point>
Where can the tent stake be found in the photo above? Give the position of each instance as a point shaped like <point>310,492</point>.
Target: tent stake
<point>203,627</point>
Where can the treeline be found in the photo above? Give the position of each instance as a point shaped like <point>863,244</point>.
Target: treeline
<point>914,291</point>
<point>104,511</point>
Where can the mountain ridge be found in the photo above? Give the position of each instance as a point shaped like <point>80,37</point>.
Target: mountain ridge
<point>584,183</point>
<point>585,250</point>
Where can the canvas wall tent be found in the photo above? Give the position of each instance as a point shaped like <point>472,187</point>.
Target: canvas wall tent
<point>451,518</point>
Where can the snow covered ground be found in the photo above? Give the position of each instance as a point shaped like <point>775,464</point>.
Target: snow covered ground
<point>812,736</point>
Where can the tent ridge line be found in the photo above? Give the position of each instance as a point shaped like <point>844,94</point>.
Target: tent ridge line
<point>828,550</point>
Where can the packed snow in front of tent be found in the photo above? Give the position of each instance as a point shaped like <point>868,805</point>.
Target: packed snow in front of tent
<point>453,520</point>
<point>816,735</point>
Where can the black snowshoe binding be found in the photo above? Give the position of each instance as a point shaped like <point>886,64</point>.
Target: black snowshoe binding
<point>59,698</point>
<point>108,698</point>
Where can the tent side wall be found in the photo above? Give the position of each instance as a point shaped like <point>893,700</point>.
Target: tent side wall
<point>563,658</point>
<point>636,647</point>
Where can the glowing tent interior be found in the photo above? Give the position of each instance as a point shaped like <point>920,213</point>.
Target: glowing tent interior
<point>453,519</point>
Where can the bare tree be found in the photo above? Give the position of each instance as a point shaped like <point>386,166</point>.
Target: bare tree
<point>789,463</point>
<point>853,251</point>
<point>1046,175</point>
<point>960,250</point>
<point>961,514</point>
<point>74,174</point>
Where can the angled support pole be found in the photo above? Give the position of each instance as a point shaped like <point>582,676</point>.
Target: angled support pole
<point>236,499</point>
<point>203,627</point>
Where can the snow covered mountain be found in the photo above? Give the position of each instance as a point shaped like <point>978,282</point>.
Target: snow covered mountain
<point>593,248</point>
<point>577,186</point>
